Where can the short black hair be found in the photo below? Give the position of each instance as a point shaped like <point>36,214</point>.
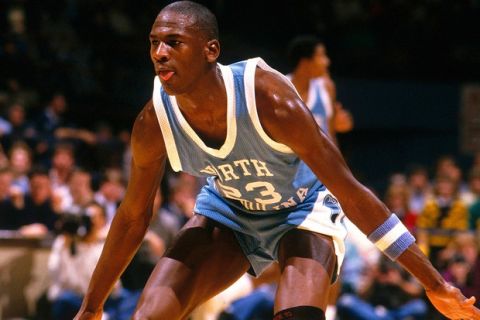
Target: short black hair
<point>205,20</point>
<point>302,47</point>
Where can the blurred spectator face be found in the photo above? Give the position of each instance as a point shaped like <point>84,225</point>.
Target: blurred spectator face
<point>397,199</point>
<point>459,268</point>
<point>63,159</point>
<point>320,61</point>
<point>40,189</point>
<point>418,180</point>
<point>113,191</point>
<point>445,187</point>
<point>97,215</point>
<point>474,181</point>
<point>58,103</point>
<point>447,166</point>
<point>16,115</point>
<point>16,19</point>
<point>6,179</point>
<point>20,160</point>
<point>466,245</point>
<point>80,188</point>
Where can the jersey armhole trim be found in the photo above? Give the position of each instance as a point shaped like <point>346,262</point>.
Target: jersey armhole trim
<point>162,118</point>
<point>249,83</point>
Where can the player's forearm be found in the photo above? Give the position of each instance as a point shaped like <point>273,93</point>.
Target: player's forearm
<point>419,266</point>
<point>124,238</point>
<point>368,213</point>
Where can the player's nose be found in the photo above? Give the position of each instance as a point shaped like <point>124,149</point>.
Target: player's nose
<point>161,52</point>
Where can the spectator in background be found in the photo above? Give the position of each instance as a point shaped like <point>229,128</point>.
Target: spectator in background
<point>474,218</point>
<point>38,210</point>
<point>52,117</point>
<point>63,165</point>
<point>6,215</point>
<point>6,180</point>
<point>444,215</point>
<point>464,264</point>
<point>3,158</point>
<point>124,137</point>
<point>81,192</point>
<point>110,193</point>
<point>19,128</point>
<point>419,188</point>
<point>472,194</point>
<point>397,200</point>
<point>74,255</point>
<point>447,166</point>
<point>164,223</point>
<point>48,122</point>
<point>389,293</point>
<point>181,199</point>
<point>108,147</point>
<point>20,158</point>
<point>5,127</point>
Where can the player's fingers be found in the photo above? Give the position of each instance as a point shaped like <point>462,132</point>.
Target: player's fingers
<point>470,301</point>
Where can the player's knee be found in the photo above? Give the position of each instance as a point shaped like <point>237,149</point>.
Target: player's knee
<point>300,313</point>
<point>158,304</point>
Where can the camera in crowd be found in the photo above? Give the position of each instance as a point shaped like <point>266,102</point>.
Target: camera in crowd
<point>75,224</point>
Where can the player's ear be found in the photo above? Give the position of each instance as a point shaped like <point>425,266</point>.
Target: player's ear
<point>212,50</point>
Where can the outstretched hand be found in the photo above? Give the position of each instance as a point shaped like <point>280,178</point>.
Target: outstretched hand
<point>453,304</point>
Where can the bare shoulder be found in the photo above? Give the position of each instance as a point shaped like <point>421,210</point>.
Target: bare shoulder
<point>147,139</point>
<point>275,96</point>
<point>279,107</point>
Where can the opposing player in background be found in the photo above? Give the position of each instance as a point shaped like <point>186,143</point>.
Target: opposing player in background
<point>311,77</point>
<point>245,128</point>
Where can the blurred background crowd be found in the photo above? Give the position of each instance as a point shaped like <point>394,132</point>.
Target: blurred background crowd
<point>73,75</point>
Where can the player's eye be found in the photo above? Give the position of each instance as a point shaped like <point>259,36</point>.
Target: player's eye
<point>173,43</point>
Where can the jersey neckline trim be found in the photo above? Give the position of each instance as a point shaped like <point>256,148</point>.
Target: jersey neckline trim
<point>229,143</point>
<point>162,118</point>
<point>249,80</point>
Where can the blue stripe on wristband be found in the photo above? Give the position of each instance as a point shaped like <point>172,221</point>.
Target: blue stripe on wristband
<point>384,228</point>
<point>399,246</point>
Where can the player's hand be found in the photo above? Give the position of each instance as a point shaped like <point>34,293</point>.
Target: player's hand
<point>453,304</point>
<point>342,119</point>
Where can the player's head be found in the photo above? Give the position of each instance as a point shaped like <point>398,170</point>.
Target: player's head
<point>183,45</point>
<point>309,52</point>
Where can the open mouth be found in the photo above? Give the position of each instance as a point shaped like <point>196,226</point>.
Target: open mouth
<point>165,75</point>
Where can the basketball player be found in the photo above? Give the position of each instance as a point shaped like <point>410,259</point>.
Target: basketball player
<point>244,127</point>
<point>310,76</point>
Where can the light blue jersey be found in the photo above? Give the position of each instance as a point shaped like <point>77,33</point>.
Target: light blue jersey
<point>255,186</point>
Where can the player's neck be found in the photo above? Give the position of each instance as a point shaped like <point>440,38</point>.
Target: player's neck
<point>301,81</point>
<point>302,75</point>
<point>206,94</point>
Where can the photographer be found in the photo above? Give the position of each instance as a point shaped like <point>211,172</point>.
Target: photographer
<point>389,293</point>
<point>75,253</point>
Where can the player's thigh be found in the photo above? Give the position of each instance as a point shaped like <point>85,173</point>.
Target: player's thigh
<point>307,261</point>
<point>204,259</point>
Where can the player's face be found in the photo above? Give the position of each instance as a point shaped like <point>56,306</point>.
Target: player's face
<point>178,52</point>
<point>320,61</point>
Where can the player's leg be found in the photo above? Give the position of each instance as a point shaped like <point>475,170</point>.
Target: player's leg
<point>204,260</point>
<point>307,261</point>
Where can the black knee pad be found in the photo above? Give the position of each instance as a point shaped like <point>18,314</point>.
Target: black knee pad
<point>300,313</point>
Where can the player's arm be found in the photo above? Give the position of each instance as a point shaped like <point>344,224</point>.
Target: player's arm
<point>287,120</point>
<point>134,213</point>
